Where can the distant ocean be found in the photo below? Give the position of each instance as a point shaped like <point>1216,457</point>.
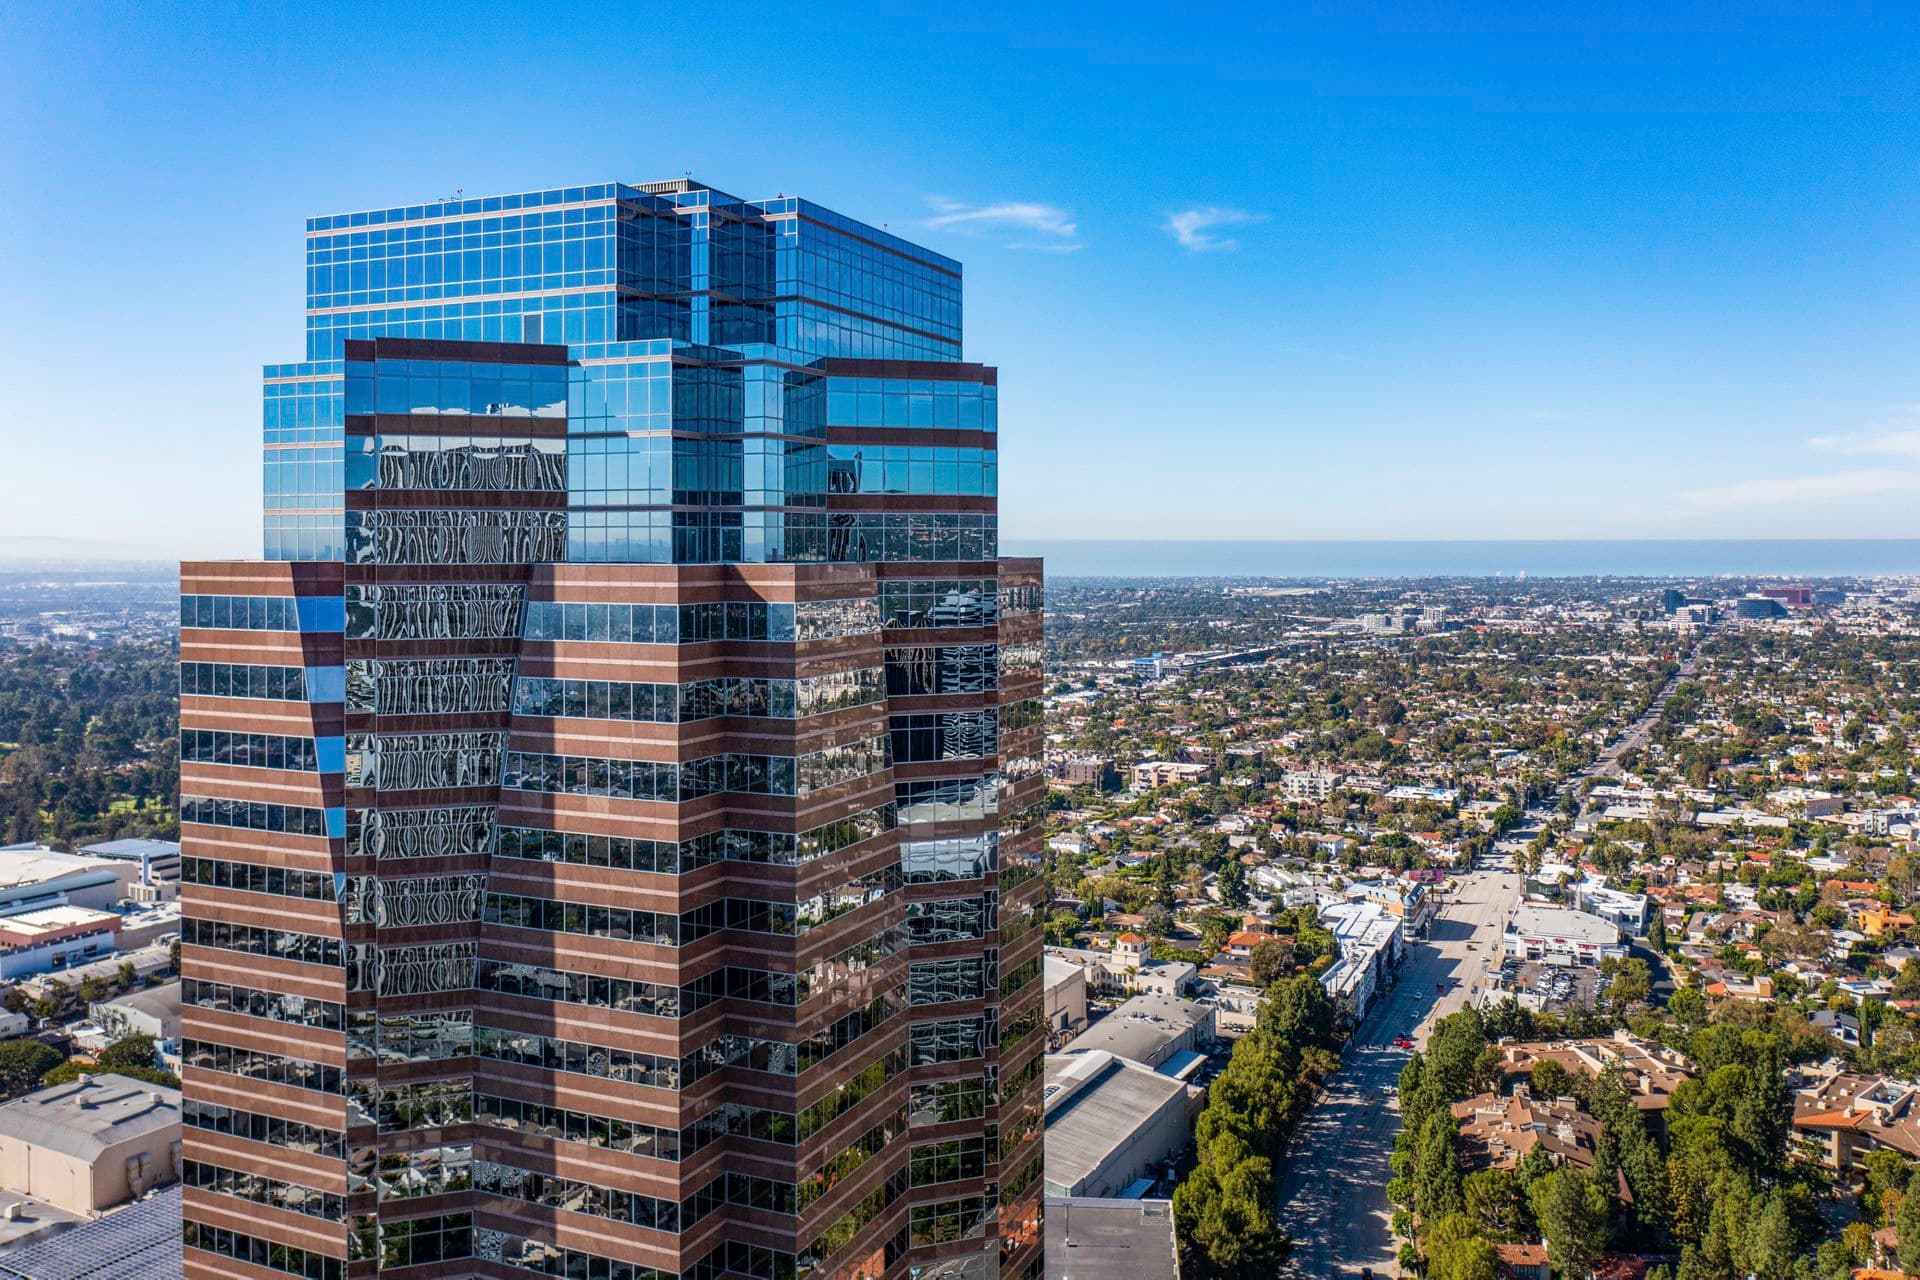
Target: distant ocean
<point>1650,558</point>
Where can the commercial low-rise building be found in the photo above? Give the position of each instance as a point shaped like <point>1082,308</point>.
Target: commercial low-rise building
<point>1628,912</point>
<point>146,962</point>
<point>1130,966</point>
<point>1112,1122</point>
<point>148,1011</point>
<point>1371,944</point>
<point>138,1242</point>
<point>1560,935</point>
<point>1407,902</point>
<point>1066,997</point>
<point>158,862</point>
<point>33,876</point>
<point>91,1144</point>
<point>145,925</point>
<point>54,939</point>
<point>1150,1030</point>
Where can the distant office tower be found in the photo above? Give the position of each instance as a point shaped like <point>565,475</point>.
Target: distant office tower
<point>1758,608</point>
<point>1792,597</point>
<point>611,809</point>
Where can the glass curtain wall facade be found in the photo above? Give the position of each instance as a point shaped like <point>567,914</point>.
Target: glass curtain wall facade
<point>611,805</point>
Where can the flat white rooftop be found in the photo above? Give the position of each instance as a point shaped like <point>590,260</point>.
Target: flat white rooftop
<point>1562,924</point>
<point>30,924</point>
<point>37,866</point>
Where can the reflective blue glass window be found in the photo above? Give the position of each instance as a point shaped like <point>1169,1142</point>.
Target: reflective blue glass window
<point>321,613</point>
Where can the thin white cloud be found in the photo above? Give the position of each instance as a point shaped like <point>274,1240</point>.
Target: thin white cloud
<point>1197,229</point>
<point>1899,444</point>
<point>1047,227</point>
<point>1796,489</point>
<point>1895,436</point>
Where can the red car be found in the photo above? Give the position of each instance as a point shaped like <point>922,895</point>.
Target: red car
<point>1401,1042</point>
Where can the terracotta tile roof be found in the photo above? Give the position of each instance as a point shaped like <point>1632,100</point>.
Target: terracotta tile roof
<point>1880,1109</point>
<point>1832,1120</point>
<point>1622,1266</point>
<point>1521,1255</point>
<point>1500,1132</point>
<point>1652,1072</point>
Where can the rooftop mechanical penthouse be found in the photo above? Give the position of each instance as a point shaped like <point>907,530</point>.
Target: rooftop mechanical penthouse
<point>611,808</point>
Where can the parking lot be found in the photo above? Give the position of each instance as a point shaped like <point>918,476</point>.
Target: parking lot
<point>1551,988</point>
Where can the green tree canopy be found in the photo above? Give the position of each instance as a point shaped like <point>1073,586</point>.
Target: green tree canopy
<point>1457,1250</point>
<point>1572,1214</point>
<point>23,1062</point>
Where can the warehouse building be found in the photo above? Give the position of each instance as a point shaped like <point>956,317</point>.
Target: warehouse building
<point>1112,1124</point>
<point>92,1144</point>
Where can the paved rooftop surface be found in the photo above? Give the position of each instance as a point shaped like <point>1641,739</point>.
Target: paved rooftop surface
<point>20,867</point>
<point>139,1242</point>
<point>1109,1239</point>
<point>1142,1028</point>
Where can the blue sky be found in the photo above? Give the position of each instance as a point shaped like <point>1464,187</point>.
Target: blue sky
<point>1342,271</point>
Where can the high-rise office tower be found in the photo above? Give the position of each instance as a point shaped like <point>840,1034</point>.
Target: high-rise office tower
<point>611,806</point>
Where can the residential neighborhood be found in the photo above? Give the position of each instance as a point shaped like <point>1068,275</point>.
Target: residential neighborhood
<point>1661,845</point>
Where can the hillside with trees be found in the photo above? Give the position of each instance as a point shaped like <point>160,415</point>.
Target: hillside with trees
<point>89,742</point>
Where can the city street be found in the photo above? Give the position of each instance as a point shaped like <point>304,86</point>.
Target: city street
<point>1332,1194</point>
<point>1636,735</point>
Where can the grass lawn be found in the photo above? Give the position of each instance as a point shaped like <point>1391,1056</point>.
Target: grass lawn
<point>145,804</point>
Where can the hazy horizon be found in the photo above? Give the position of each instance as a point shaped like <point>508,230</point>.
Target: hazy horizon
<point>1308,558</point>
